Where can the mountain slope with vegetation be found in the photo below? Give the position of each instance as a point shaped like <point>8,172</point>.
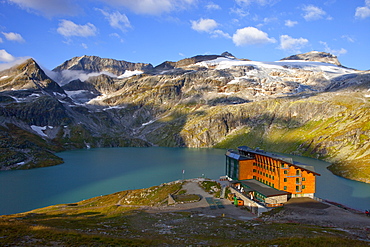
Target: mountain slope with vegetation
<point>307,104</point>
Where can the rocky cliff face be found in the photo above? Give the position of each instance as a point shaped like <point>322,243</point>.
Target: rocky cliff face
<point>308,106</point>
<point>25,76</point>
<point>92,64</point>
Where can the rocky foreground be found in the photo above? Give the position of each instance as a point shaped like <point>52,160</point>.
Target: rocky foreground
<point>306,104</point>
<point>144,218</point>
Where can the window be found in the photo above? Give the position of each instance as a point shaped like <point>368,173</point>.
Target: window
<point>297,180</point>
<point>273,178</point>
<point>285,188</point>
<point>303,179</point>
<point>285,180</point>
<point>297,172</point>
<point>282,165</point>
<point>254,170</point>
<point>286,172</point>
<point>297,189</point>
<point>303,187</point>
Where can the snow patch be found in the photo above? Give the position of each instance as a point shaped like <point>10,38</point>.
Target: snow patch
<point>59,94</point>
<point>4,77</point>
<point>129,73</point>
<point>224,93</point>
<point>114,107</point>
<point>74,93</point>
<point>227,63</point>
<point>40,129</point>
<point>147,123</point>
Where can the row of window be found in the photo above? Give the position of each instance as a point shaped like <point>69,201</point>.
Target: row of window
<point>297,188</point>
<point>297,180</point>
<point>264,174</point>
<point>297,172</point>
<point>266,167</point>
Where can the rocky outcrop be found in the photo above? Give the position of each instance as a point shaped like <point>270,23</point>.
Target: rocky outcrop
<point>92,64</point>
<point>316,56</point>
<point>28,75</point>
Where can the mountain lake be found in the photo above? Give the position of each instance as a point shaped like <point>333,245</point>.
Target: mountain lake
<point>88,173</point>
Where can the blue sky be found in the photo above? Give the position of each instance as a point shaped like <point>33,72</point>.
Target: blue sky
<point>154,31</point>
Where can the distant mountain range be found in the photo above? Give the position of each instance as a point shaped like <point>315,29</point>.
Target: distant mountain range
<point>307,104</point>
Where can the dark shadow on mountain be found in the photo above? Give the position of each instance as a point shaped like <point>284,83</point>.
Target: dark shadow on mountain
<point>231,100</point>
<point>354,81</point>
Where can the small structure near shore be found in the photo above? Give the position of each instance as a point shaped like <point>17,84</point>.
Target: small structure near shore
<point>266,180</point>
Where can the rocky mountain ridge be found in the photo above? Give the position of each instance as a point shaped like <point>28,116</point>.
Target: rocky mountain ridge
<point>315,56</point>
<point>294,106</point>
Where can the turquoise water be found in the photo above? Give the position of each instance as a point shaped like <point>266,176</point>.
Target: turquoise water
<point>94,172</point>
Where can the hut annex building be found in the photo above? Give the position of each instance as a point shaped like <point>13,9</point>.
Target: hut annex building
<point>264,180</point>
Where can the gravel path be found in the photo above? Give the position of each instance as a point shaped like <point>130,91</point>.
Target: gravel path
<point>202,206</point>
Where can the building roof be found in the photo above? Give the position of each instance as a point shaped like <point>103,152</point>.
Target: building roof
<point>264,189</point>
<point>288,160</point>
<point>232,154</point>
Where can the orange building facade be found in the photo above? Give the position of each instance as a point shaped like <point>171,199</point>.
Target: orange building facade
<point>276,171</point>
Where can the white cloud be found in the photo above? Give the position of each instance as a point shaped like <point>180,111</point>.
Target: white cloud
<point>84,46</point>
<point>6,57</point>
<point>348,38</point>
<point>213,6</point>
<point>313,13</point>
<point>292,44</point>
<point>14,37</point>
<point>69,28</point>
<point>339,52</point>
<point>116,35</point>
<point>1,40</point>
<point>290,23</point>
<point>151,7</point>
<point>241,12</point>
<point>260,2</point>
<point>363,12</point>
<point>220,33</point>
<point>251,36</point>
<point>204,25</point>
<point>267,21</point>
<point>49,8</point>
<point>117,20</point>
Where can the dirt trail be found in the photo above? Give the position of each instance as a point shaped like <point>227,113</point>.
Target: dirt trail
<point>202,206</point>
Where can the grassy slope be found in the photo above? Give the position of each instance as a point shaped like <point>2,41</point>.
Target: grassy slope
<point>333,128</point>
<point>117,220</point>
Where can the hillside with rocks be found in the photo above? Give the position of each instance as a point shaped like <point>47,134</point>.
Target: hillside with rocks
<point>307,104</point>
